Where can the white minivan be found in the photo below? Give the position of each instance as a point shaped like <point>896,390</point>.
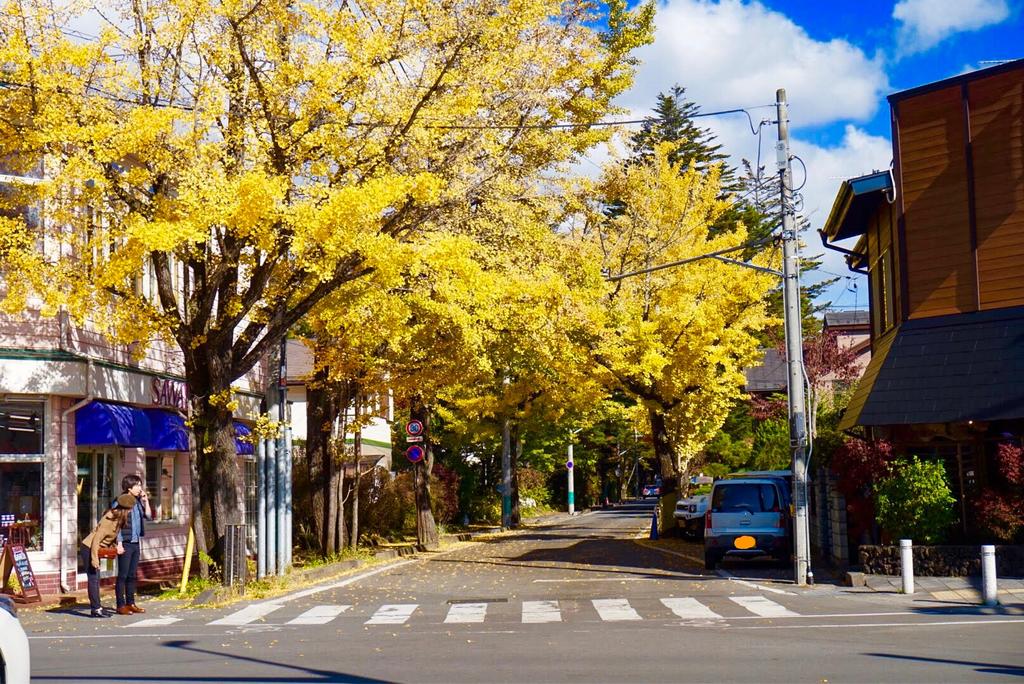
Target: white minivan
<point>748,517</point>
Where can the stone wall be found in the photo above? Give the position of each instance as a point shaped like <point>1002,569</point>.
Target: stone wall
<point>942,561</point>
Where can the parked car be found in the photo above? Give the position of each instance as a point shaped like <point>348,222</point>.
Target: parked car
<point>651,490</point>
<point>14,656</point>
<point>748,517</point>
<point>689,514</point>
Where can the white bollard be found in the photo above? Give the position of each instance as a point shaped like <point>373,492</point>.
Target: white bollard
<point>988,575</point>
<point>907,565</point>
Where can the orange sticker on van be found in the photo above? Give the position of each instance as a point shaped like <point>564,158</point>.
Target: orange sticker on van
<point>745,542</point>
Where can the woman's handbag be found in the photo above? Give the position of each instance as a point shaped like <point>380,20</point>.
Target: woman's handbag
<point>106,552</point>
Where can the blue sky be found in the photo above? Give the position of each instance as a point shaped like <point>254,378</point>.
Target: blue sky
<point>837,60</point>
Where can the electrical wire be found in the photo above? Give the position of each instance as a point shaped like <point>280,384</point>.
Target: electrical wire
<point>796,190</point>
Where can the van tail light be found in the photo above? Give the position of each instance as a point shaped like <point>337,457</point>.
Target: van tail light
<point>782,521</point>
<point>707,520</point>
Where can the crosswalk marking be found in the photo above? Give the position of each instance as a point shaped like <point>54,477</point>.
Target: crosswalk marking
<point>247,614</point>
<point>392,614</point>
<point>759,605</point>
<point>541,611</point>
<point>615,610</point>
<point>319,615</point>
<point>467,612</point>
<point>690,609</point>
<point>155,622</point>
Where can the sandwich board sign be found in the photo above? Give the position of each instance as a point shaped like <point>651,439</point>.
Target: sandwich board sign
<point>15,559</point>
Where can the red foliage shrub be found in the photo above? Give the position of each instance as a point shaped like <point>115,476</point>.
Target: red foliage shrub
<point>859,463</point>
<point>1010,460</point>
<point>444,493</point>
<point>1000,516</point>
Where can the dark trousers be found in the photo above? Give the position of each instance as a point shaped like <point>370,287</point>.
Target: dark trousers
<point>127,567</point>
<point>93,575</point>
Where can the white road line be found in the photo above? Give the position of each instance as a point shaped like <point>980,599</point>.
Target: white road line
<point>154,622</point>
<point>392,614</point>
<point>690,609</point>
<point>615,610</point>
<point>247,614</point>
<point>541,611</point>
<point>752,585</point>
<point>466,612</point>
<point>915,624</point>
<point>759,605</point>
<point>319,615</point>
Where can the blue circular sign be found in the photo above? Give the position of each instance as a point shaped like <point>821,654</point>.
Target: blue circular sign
<point>568,464</point>
<point>415,453</point>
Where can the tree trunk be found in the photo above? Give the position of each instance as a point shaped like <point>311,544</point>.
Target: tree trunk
<point>358,449</point>
<point>426,528</point>
<point>320,420</point>
<point>196,512</point>
<point>663,450</point>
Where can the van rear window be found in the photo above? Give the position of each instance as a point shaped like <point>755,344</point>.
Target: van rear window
<point>744,496</point>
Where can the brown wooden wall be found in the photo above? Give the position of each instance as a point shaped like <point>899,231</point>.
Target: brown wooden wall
<point>933,170</point>
<point>997,149</point>
<point>961,180</point>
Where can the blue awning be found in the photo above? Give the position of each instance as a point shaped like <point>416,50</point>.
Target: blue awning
<point>101,423</point>
<point>168,431</point>
<point>243,448</point>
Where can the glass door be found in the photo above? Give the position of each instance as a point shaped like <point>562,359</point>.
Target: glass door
<point>94,487</point>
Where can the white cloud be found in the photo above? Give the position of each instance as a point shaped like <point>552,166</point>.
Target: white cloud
<point>926,23</point>
<point>733,54</point>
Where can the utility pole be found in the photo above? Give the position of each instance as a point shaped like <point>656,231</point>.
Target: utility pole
<point>569,465</point>
<point>794,345</point>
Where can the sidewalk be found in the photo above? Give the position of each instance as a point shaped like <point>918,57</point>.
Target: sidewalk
<point>948,588</point>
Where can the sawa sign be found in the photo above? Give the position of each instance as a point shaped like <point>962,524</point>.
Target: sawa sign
<point>170,393</point>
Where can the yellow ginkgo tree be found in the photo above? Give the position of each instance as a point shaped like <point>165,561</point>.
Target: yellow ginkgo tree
<point>251,156</point>
<point>675,339</point>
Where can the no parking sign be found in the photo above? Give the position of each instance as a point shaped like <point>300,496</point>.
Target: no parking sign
<point>415,453</point>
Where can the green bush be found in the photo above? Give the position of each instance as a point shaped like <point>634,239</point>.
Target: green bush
<point>915,502</point>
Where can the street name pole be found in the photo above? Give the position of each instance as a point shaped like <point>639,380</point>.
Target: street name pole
<point>569,468</point>
<point>794,344</point>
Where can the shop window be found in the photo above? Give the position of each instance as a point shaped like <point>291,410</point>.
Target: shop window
<point>21,428</point>
<point>160,485</point>
<point>249,470</point>
<point>21,503</point>
<point>95,489</point>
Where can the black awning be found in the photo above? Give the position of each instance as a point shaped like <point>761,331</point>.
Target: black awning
<point>945,369</point>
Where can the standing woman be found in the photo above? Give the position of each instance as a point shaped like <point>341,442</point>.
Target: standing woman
<point>103,537</point>
<point>129,544</point>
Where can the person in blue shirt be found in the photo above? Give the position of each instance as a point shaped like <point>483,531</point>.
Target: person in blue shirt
<point>129,540</point>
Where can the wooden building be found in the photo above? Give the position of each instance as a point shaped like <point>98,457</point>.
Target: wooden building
<point>941,238</point>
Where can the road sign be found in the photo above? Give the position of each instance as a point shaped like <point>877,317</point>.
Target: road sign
<point>414,428</point>
<point>413,440</point>
<point>415,453</point>
<point>568,464</point>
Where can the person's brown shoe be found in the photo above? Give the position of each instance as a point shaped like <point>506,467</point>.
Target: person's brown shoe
<point>135,609</point>
<point>124,610</point>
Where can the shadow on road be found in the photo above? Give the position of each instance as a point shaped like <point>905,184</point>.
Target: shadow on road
<point>984,668</point>
<point>301,675</point>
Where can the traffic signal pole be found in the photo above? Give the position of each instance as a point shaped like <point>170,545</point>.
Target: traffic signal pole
<point>794,345</point>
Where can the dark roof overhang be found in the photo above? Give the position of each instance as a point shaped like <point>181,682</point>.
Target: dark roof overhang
<point>956,80</point>
<point>857,200</point>
<point>944,369</point>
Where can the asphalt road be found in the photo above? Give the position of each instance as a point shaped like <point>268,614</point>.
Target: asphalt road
<point>576,601</point>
